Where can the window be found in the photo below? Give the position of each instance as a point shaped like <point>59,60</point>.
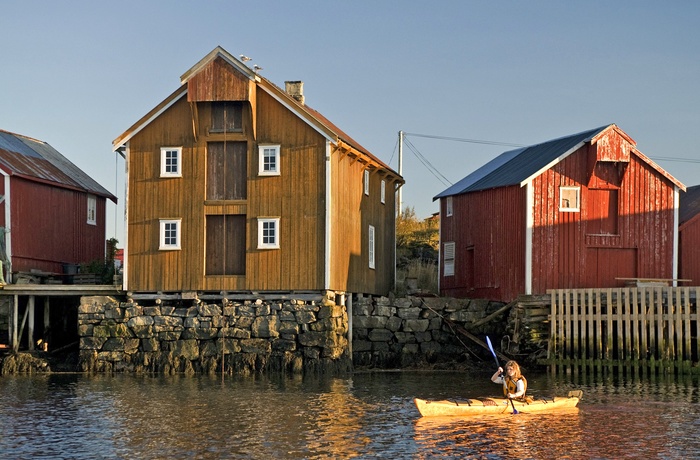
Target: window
<point>448,259</point>
<point>383,192</point>
<point>226,117</point>
<point>448,206</point>
<point>169,234</point>
<point>91,210</point>
<point>269,160</point>
<point>268,233</point>
<point>569,199</point>
<point>366,182</point>
<point>170,162</point>
<point>371,251</point>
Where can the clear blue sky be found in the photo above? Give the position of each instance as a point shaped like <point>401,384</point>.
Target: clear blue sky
<point>77,74</point>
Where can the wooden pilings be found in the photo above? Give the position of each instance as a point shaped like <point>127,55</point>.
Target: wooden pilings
<point>640,329</point>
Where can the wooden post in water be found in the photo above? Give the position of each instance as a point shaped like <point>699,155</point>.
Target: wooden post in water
<point>30,326</point>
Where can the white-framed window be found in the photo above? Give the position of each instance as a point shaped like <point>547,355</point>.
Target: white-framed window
<point>269,233</point>
<point>448,206</point>
<point>170,162</point>
<point>366,179</point>
<point>383,192</point>
<point>92,210</point>
<point>370,246</point>
<point>170,234</point>
<point>448,258</point>
<point>569,199</point>
<point>269,160</point>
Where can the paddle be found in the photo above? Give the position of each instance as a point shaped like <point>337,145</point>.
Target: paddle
<point>488,342</point>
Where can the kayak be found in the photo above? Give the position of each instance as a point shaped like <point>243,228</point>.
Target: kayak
<point>485,406</point>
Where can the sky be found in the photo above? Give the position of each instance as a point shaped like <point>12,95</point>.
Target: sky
<point>466,80</point>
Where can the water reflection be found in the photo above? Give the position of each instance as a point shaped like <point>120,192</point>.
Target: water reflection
<point>364,416</point>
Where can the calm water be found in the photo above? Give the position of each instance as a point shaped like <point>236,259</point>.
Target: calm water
<point>364,416</point>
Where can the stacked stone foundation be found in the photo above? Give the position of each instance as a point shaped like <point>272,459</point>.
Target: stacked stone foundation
<point>290,336</point>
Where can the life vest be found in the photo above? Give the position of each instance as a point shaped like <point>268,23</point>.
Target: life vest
<point>511,386</point>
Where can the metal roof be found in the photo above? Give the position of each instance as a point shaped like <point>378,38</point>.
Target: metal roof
<point>36,160</point>
<point>689,204</point>
<point>515,166</point>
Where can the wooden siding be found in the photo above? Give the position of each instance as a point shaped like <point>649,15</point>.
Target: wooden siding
<point>296,196</point>
<point>488,229</point>
<point>49,227</point>
<point>689,250</point>
<point>219,81</point>
<point>630,236</point>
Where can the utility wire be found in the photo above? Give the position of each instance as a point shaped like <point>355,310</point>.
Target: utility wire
<point>460,139</point>
<point>433,170</point>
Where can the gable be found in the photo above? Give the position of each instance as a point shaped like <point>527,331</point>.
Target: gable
<point>219,81</point>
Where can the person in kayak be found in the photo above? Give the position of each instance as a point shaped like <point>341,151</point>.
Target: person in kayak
<point>513,381</point>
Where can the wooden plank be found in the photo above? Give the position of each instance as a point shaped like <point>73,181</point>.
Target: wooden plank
<point>687,351</point>
<point>567,323</point>
<point>618,321</point>
<point>575,326</point>
<point>634,323</point>
<point>643,322</point>
<point>607,355</point>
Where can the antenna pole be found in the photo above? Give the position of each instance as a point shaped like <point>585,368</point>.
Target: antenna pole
<point>400,204</point>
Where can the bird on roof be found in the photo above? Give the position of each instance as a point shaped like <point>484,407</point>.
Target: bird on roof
<point>257,68</point>
<point>244,58</point>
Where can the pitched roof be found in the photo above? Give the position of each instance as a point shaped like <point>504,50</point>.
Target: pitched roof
<point>32,159</point>
<point>689,204</point>
<point>517,167</point>
<point>315,119</point>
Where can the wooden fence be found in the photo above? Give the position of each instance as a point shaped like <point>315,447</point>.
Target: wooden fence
<point>637,329</point>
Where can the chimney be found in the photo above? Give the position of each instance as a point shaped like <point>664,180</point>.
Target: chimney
<point>295,89</point>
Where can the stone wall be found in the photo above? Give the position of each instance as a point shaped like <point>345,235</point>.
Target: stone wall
<point>290,336</point>
<point>413,331</point>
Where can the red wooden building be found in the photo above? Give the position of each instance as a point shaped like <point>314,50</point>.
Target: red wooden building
<point>689,235</point>
<point>52,214</point>
<point>585,210</point>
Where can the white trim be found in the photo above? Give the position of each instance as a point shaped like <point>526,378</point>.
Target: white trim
<point>261,223</point>
<point>138,129</point>
<point>371,248</point>
<point>8,228</point>
<point>449,206</point>
<point>261,162</point>
<point>125,265</point>
<point>162,245</point>
<point>528,180</point>
<point>676,218</point>
<point>449,249</point>
<point>91,209</point>
<point>365,181</point>
<point>328,237</point>
<point>382,194</point>
<point>576,208</point>
<point>529,223</point>
<point>163,162</point>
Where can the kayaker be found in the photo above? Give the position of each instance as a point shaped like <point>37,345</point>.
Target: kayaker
<point>514,383</point>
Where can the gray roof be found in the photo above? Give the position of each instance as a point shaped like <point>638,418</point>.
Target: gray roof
<point>33,159</point>
<point>515,166</point>
<point>689,204</point>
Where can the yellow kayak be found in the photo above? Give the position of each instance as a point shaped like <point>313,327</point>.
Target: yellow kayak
<point>484,406</point>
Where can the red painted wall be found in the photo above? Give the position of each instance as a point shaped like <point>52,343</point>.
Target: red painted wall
<point>49,227</point>
<point>689,248</point>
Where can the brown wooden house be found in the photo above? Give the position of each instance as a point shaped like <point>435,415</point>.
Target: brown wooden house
<point>52,214</point>
<point>689,235</point>
<point>585,210</point>
<point>235,185</point>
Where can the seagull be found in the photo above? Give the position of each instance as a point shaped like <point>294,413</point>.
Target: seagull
<point>257,68</point>
<point>244,58</point>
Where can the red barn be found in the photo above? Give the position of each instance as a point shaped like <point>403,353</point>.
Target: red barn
<point>689,235</point>
<point>51,213</point>
<point>585,210</point>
